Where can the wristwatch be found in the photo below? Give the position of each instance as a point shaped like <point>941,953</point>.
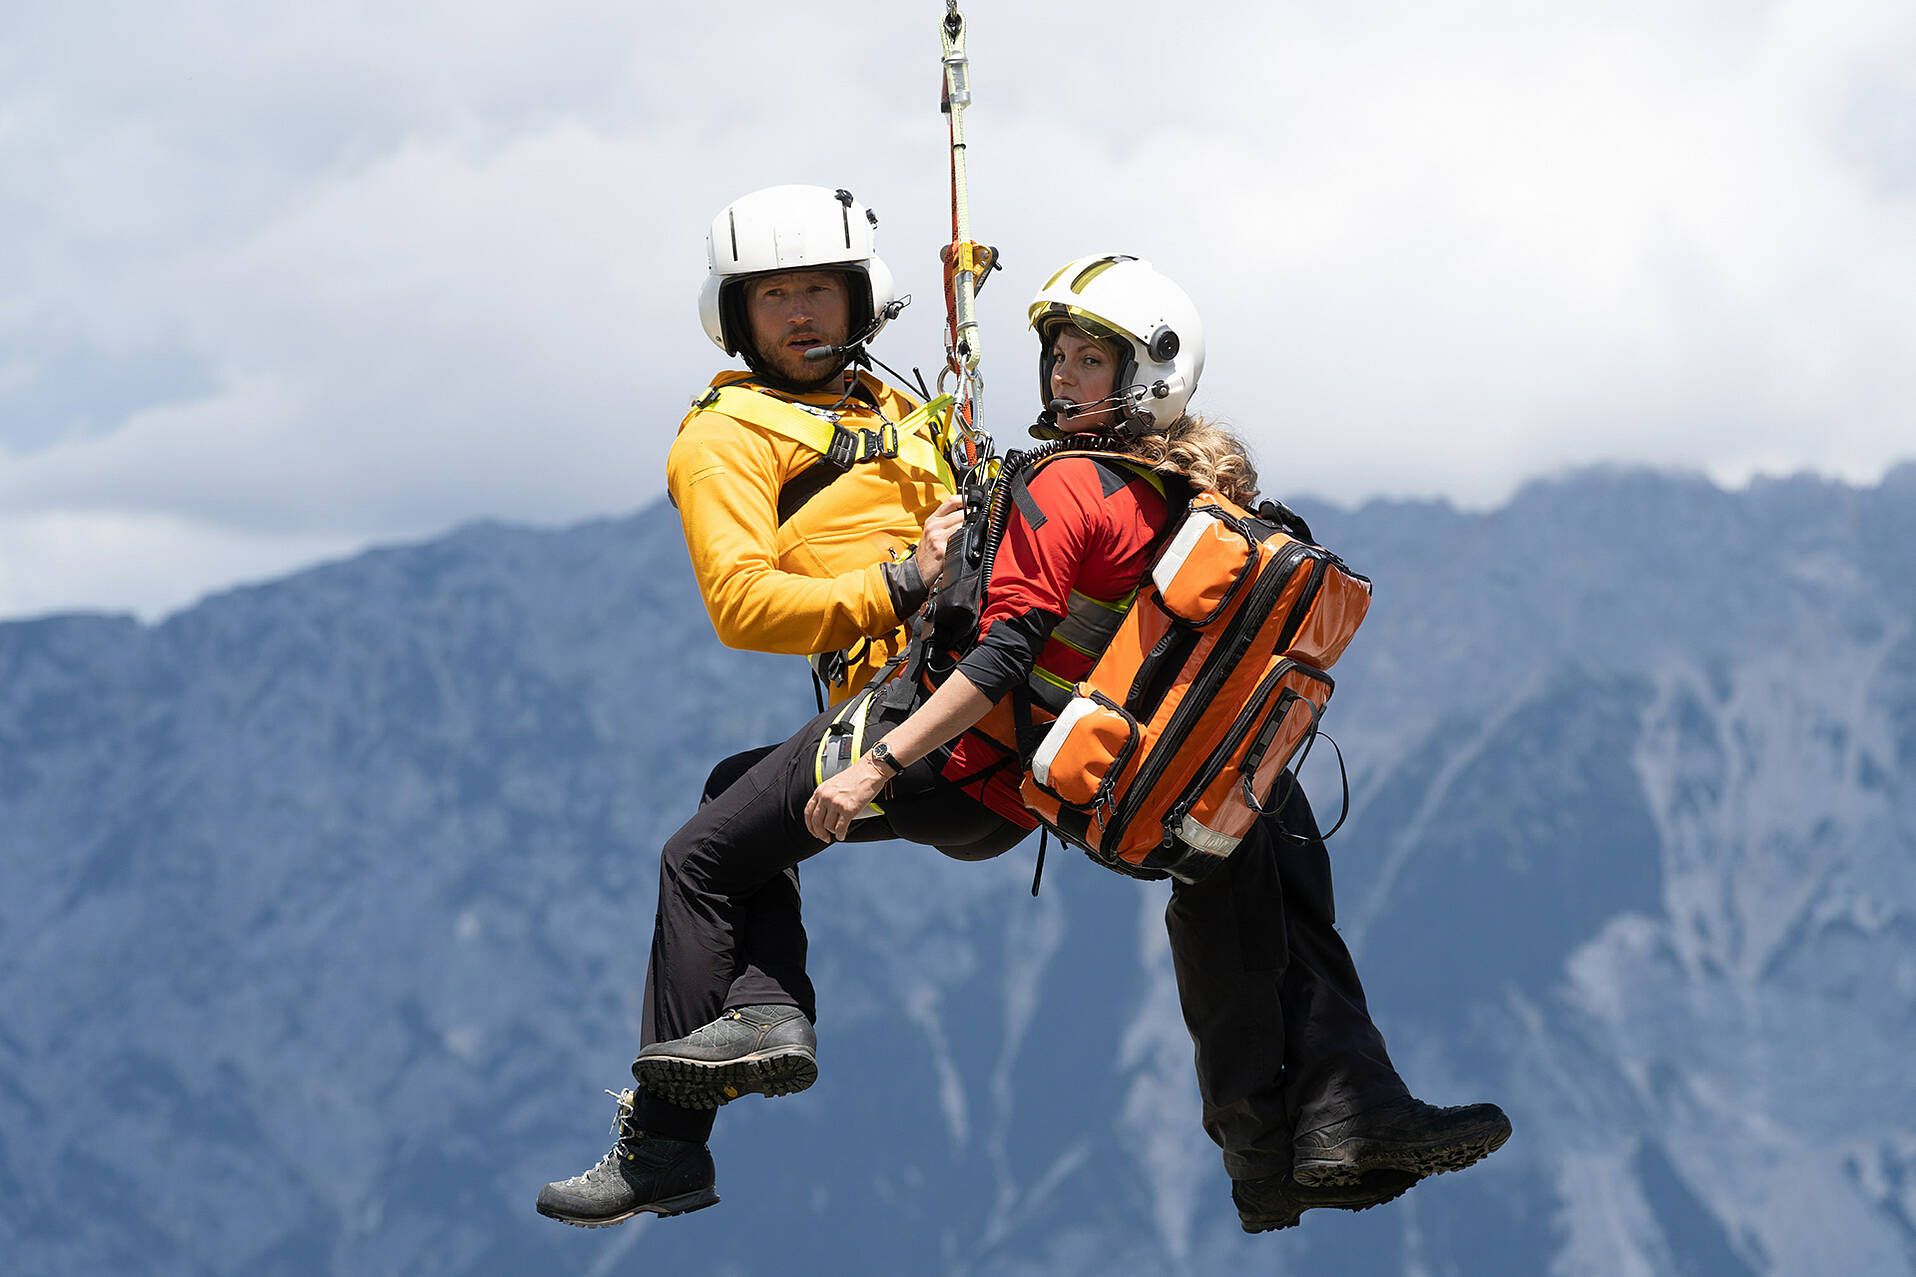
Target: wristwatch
<point>881,754</point>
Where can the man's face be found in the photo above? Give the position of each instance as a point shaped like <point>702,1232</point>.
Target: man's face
<point>793,311</point>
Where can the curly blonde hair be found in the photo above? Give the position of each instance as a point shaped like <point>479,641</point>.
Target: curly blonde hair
<point>1211,457</point>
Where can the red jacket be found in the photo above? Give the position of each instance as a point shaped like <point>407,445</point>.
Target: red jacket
<point>1097,535</point>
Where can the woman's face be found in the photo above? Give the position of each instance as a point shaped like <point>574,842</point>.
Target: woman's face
<point>1084,371</point>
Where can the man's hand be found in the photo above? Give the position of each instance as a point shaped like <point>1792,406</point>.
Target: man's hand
<point>934,544</point>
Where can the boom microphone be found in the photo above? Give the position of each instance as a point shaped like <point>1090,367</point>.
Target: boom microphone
<point>888,313</point>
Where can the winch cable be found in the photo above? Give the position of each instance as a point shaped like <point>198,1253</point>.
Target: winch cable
<point>968,447</point>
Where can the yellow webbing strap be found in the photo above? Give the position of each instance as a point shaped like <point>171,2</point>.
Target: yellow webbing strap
<point>936,414</point>
<point>824,767</point>
<point>815,429</point>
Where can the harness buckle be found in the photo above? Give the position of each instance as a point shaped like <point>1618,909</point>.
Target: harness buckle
<point>881,442</point>
<point>844,447</point>
<point>834,668</point>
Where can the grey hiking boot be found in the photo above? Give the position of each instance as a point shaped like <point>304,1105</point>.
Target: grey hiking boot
<point>641,1173</point>
<point>1278,1201</point>
<point>1403,1135</point>
<point>770,1050</point>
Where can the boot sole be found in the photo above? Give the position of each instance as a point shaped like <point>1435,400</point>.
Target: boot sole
<point>702,1084</point>
<point>665,1208</point>
<point>1276,1223</point>
<point>1344,1165</point>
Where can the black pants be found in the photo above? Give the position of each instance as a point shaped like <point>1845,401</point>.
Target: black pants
<point>1284,1040</point>
<point>728,931</point>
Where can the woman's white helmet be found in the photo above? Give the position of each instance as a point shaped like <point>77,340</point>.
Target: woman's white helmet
<point>785,228</point>
<point>1112,295</point>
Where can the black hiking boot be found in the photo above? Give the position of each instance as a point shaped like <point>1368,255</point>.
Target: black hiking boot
<point>770,1050</point>
<point>641,1173</point>
<point>1404,1135</point>
<point>1278,1201</point>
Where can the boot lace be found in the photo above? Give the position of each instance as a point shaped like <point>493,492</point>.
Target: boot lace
<point>622,1126</point>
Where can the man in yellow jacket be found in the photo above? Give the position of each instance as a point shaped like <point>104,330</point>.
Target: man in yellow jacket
<point>804,483</point>
<point>817,509</point>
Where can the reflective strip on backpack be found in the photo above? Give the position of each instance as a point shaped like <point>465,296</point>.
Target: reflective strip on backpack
<point>1203,838</point>
<point>1054,739</point>
<point>1166,568</point>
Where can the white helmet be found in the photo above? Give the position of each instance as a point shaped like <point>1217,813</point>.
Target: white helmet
<point>1112,295</point>
<point>785,228</point>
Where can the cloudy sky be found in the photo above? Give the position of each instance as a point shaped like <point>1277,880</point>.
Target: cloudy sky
<point>281,281</point>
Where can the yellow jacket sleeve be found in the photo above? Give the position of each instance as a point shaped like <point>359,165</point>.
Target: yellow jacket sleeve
<point>724,478</point>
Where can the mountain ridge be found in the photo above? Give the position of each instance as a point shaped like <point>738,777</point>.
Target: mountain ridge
<point>333,893</point>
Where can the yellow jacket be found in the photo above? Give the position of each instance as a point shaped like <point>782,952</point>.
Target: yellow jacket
<point>815,584</point>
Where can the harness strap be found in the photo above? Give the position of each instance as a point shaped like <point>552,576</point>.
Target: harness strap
<point>823,432</point>
<point>808,483</point>
<point>842,742</point>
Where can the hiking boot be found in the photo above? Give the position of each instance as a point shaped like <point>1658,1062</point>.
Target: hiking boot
<point>641,1173</point>
<point>770,1050</point>
<point>1278,1201</point>
<point>1404,1135</point>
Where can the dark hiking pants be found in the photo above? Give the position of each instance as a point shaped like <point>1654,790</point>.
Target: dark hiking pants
<point>728,931</point>
<point>1284,1040</point>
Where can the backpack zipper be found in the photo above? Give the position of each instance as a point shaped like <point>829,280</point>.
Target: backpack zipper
<point>1217,668</point>
<point>1253,709</point>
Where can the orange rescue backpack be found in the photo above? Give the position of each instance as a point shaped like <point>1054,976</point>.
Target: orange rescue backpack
<point>1170,748</point>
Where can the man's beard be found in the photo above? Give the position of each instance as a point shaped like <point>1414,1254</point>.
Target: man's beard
<point>804,374</point>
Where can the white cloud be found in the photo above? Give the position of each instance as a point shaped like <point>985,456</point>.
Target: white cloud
<point>129,562</point>
<point>376,272</point>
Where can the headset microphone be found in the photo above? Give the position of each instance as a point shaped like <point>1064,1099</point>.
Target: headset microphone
<point>817,354</point>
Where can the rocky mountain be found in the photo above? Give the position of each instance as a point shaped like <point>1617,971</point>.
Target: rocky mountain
<point>325,909</point>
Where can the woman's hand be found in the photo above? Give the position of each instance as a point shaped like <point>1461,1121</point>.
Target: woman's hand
<point>956,705</point>
<point>936,541</point>
<point>837,802</point>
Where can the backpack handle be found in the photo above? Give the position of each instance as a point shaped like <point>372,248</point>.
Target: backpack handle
<point>1310,742</point>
